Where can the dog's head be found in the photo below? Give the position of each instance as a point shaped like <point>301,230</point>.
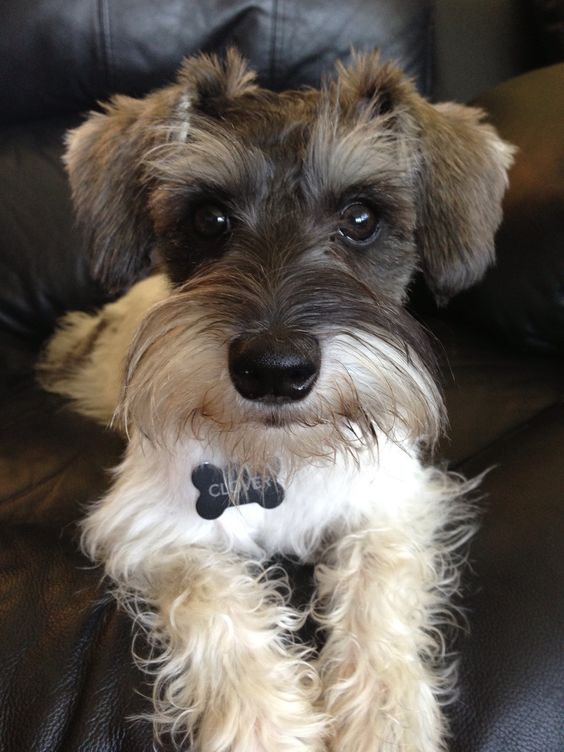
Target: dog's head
<point>290,226</point>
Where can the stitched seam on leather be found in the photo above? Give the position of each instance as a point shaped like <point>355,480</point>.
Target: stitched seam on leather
<point>422,61</point>
<point>272,73</point>
<point>429,42</point>
<point>105,46</point>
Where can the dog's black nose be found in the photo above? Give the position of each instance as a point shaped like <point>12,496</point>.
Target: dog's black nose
<point>274,369</point>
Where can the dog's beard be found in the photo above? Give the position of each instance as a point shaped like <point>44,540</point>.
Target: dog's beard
<point>177,384</point>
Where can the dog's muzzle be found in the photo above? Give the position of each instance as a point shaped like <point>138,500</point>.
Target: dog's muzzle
<point>273,368</point>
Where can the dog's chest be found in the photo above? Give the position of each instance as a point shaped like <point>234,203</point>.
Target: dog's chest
<point>186,495</point>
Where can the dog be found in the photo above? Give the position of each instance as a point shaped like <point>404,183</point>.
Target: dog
<point>278,397</point>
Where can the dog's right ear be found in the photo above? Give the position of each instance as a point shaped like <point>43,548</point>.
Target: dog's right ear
<point>107,158</point>
<point>104,159</point>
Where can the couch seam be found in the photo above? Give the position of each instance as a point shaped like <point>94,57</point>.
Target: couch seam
<point>106,44</point>
<point>429,52</point>
<point>272,74</point>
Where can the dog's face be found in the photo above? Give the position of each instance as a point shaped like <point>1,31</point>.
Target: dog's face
<point>290,226</point>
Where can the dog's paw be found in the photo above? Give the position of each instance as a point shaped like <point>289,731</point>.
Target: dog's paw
<point>228,674</point>
<point>248,712</point>
<point>381,727</point>
<point>281,719</point>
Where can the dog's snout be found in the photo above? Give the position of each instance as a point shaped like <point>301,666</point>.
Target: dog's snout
<point>274,369</point>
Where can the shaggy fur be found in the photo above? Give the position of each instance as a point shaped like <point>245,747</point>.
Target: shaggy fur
<point>286,267</point>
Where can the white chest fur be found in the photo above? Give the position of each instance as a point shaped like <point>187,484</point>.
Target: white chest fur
<point>152,506</point>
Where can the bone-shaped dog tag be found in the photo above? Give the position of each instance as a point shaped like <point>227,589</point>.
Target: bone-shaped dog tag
<point>215,487</point>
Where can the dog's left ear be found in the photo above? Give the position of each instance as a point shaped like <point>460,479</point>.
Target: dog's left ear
<point>462,178</point>
<point>460,169</point>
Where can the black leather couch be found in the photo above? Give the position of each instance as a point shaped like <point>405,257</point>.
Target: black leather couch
<point>67,683</point>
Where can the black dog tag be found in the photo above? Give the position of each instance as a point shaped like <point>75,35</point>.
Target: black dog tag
<point>215,486</point>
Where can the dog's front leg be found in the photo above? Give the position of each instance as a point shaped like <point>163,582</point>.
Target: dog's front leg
<point>228,676</point>
<point>377,597</point>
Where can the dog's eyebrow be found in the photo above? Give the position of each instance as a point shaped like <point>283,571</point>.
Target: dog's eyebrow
<point>211,155</point>
<point>172,202</point>
<point>383,191</point>
<point>371,153</point>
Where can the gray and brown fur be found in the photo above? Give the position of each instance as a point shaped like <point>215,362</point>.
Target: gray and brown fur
<point>285,161</point>
<point>284,165</point>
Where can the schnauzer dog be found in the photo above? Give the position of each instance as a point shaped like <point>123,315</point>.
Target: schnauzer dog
<point>278,398</point>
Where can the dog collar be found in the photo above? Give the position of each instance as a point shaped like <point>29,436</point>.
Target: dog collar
<point>218,488</point>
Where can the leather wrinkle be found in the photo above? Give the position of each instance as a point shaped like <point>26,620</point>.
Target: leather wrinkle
<point>22,493</point>
<point>43,580</point>
<point>104,611</point>
<point>514,430</point>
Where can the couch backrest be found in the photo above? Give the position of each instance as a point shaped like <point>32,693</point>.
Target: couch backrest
<point>62,56</point>
<point>480,43</point>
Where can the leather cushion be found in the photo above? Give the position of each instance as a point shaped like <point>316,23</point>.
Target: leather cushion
<point>511,677</point>
<point>67,682</point>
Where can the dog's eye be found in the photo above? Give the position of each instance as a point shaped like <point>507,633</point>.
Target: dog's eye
<point>359,223</point>
<point>210,220</point>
